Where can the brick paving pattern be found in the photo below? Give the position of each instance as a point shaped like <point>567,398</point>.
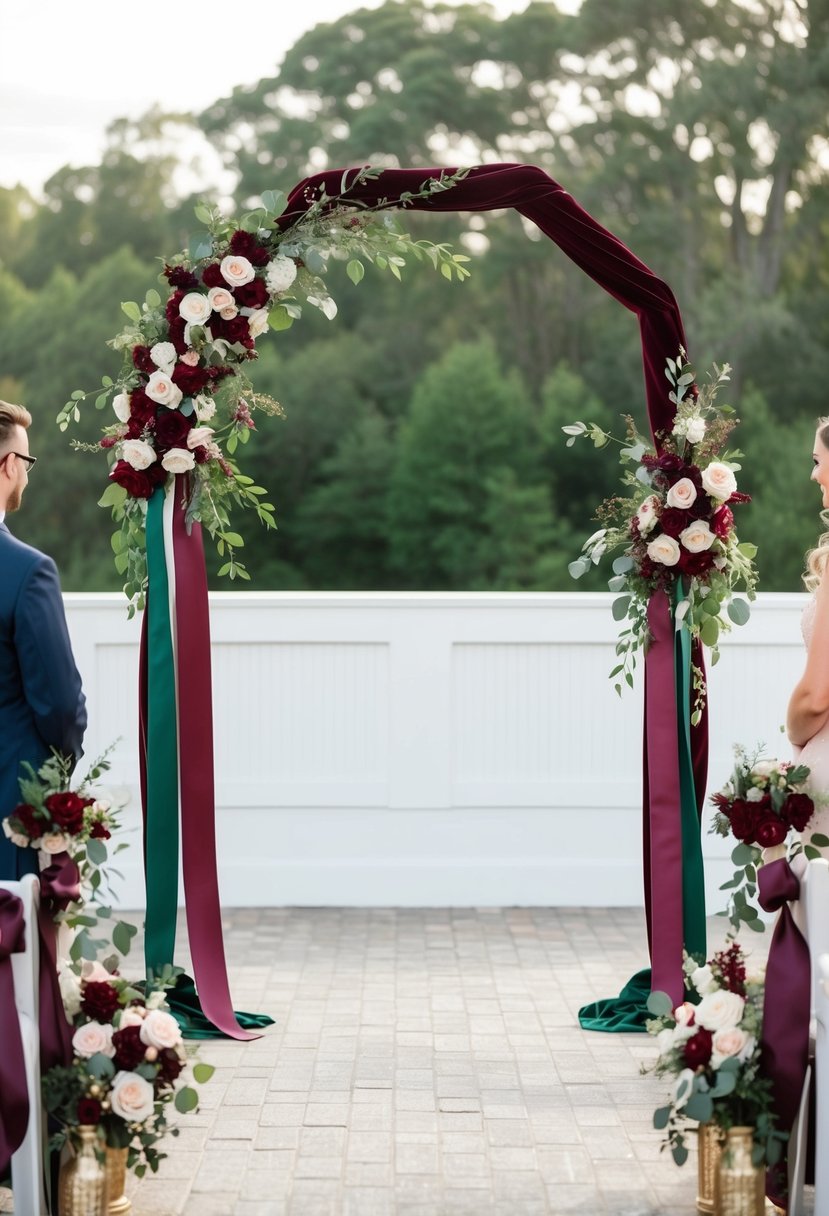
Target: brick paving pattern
<point>425,1063</point>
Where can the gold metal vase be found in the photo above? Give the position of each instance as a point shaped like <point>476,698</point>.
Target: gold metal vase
<point>82,1187</point>
<point>709,1145</point>
<point>741,1185</point>
<point>116,1172</point>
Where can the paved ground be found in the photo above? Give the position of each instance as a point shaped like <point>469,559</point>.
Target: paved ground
<point>425,1063</point>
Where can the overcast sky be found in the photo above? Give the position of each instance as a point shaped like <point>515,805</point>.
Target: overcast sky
<point>67,70</point>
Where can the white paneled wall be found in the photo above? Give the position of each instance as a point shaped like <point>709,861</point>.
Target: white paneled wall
<point>428,749</point>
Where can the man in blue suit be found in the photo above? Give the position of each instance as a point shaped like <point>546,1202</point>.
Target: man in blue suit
<point>41,702</point>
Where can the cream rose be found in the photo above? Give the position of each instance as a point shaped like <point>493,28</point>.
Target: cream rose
<point>697,537</point>
<point>720,1010</point>
<point>195,308</point>
<point>280,274</point>
<point>130,1017</point>
<point>731,1042</point>
<point>160,388</point>
<point>646,515</point>
<point>160,1029</point>
<point>719,481</point>
<point>198,436</point>
<point>178,460</point>
<point>220,298</point>
<point>53,842</point>
<point>163,355</point>
<point>138,453</point>
<point>684,1014</point>
<point>227,314</point>
<point>93,1038</point>
<point>131,1097</point>
<point>121,405</point>
<point>258,322</point>
<point>664,550</point>
<point>682,494</point>
<point>190,358</point>
<point>695,429</point>
<point>236,270</point>
<point>703,980</point>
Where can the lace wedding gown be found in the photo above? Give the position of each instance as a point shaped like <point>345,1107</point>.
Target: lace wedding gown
<point>815,754</point>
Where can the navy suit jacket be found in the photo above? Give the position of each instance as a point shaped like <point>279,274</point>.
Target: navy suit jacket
<point>41,702</point>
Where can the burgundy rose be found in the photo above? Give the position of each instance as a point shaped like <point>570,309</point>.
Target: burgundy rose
<point>139,483</point>
<point>89,1111</point>
<point>212,276</point>
<point>738,496</point>
<point>171,312</point>
<point>99,831</point>
<point>26,816</point>
<point>742,817</point>
<point>695,564</point>
<point>201,454</point>
<point>798,810</point>
<point>66,810</point>
<point>235,330</point>
<point>99,1000</point>
<point>171,429</point>
<point>177,276</point>
<point>129,1050</point>
<point>177,328</point>
<point>771,831</point>
<point>142,408</point>
<point>698,1048</point>
<point>191,380</point>
<point>245,244</point>
<point>667,461</point>
<point>674,520</point>
<point>219,372</point>
<point>142,359</point>
<point>169,1065</point>
<point>252,295</point>
<point>722,521</point>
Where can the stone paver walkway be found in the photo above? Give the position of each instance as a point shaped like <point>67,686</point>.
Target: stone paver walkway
<point>425,1063</point>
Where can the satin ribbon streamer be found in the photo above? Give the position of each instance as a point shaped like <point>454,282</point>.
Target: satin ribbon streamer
<point>787,1003</point>
<point>14,1093</point>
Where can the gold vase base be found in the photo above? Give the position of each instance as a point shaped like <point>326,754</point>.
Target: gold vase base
<point>119,1207</point>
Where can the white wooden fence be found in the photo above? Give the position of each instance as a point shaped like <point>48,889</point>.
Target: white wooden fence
<point>428,749</point>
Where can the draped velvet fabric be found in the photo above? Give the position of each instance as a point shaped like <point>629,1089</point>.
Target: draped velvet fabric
<point>530,191</point>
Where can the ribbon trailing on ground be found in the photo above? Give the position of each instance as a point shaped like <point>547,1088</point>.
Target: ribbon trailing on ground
<point>674,778</point>
<point>176,748</point>
<point>14,1093</point>
<point>787,1004</point>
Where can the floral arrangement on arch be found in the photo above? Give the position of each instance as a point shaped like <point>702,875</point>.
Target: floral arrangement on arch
<point>127,1067</point>
<point>183,401</point>
<point>764,805</point>
<point>674,523</point>
<point>712,1050</point>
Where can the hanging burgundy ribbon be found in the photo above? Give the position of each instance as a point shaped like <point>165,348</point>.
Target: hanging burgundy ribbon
<point>60,884</point>
<point>14,1093</point>
<point>787,1004</point>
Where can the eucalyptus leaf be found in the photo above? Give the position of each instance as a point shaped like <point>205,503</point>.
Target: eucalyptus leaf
<point>659,1004</point>
<point>739,611</point>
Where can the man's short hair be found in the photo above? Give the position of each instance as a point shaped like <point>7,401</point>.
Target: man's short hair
<point>10,417</point>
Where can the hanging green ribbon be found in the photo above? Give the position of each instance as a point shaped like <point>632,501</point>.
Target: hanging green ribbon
<point>161,844</point>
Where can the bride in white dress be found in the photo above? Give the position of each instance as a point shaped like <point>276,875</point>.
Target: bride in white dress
<point>808,716</point>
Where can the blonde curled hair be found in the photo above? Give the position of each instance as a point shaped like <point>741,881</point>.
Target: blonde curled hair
<point>817,558</point>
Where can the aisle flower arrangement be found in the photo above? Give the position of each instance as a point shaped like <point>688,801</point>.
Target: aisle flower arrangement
<point>711,1049</point>
<point>674,524</point>
<point>183,401</point>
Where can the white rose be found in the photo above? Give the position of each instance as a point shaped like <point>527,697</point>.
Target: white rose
<point>664,550</point>
<point>697,536</point>
<point>178,460</point>
<point>131,1097</point>
<point>160,1029</point>
<point>195,308</point>
<point>164,356</point>
<point>92,1038</point>
<point>160,388</point>
<point>220,298</point>
<point>121,405</point>
<point>703,980</point>
<point>258,322</point>
<point>130,1017</point>
<point>53,842</point>
<point>70,990</point>
<point>138,453</point>
<point>95,972</point>
<point>695,429</point>
<point>646,515</point>
<point>236,270</point>
<point>205,407</point>
<point>682,494</point>
<point>754,794</point>
<point>731,1042</point>
<point>280,274</point>
<point>198,436</point>
<point>764,768</point>
<point>17,838</point>
<point>720,1010</point>
<point>683,1085</point>
<point>719,481</point>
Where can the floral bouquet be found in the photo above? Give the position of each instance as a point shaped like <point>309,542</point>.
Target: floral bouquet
<point>183,401</point>
<point>128,1059</point>
<point>760,805</point>
<point>712,1049</point>
<point>55,818</point>
<point>674,525</point>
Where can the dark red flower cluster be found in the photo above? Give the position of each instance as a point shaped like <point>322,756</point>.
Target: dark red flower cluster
<point>89,1111</point>
<point>697,1049</point>
<point>99,1000</point>
<point>758,822</point>
<point>245,245</point>
<point>67,810</point>
<point>27,817</point>
<point>177,276</point>
<point>140,483</point>
<point>99,831</point>
<point>129,1050</point>
<point>169,1065</point>
<point>730,965</point>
